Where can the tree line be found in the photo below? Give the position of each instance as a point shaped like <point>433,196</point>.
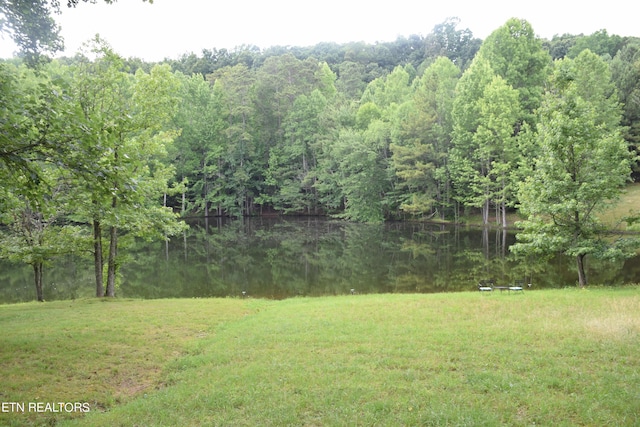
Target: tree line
<point>418,137</point>
<point>96,148</point>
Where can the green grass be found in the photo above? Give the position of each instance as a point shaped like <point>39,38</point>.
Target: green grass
<point>103,352</point>
<point>629,204</point>
<point>552,357</point>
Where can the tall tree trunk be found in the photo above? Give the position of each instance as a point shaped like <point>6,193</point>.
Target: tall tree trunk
<point>97,257</point>
<point>205,190</point>
<point>112,264</point>
<point>582,276</point>
<point>485,242</point>
<point>485,212</point>
<point>37,273</point>
<point>504,214</point>
<point>113,253</point>
<point>184,242</point>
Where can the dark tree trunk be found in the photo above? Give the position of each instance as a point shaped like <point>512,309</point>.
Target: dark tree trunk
<point>97,257</point>
<point>37,273</point>
<point>582,276</point>
<point>112,264</point>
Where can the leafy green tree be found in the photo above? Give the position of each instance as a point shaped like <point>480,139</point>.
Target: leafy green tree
<point>197,151</point>
<point>31,26</point>
<point>340,117</point>
<point>485,171</point>
<point>352,79</point>
<point>126,117</point>
<point>516,54</point>
<point>100,89</point>
<point>600,43</point>
<point>582,167</point>
<point>559,45</point>
<point>241,165</point>
<point>361,176</point>
<point>497,148</point>
<point>31,129</point>
<point>293,164</point>
<point>279,82</point>
<point>36,230</point>
<point>458,45</point>
<point>625,70</point>
<point>140,174</point>
<point>465,163</point>
<point>392,89</point>
<point>362,155</point>
<point>421,134</point>
<point>36,113</point>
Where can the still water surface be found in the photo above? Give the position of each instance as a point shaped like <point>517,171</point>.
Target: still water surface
<point>281,258</point>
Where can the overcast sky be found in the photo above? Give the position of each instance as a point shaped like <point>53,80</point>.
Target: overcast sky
<point>170,28</point>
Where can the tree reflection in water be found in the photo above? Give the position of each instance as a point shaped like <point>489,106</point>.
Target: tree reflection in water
<point>281,258</point>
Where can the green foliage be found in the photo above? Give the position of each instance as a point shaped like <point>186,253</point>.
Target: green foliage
<point>32,28</point>
<point>293,163</point>
<point>421,135</point>
<point>85,144</point>
<point>600,43</point>
<point>457,45</point>
<point>363,132</point>
<point>392,89</point>
<point>361,176</point>
<point>197,151</point>
<point>516,55</point>
<point>36,140</point>
<point>625,70</point>
<point>581,169</point>
<point>34,124</point>
<point>496,99</point>
<point>468,162</point>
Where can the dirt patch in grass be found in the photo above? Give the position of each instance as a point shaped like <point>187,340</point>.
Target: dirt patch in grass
<point>103,352</point>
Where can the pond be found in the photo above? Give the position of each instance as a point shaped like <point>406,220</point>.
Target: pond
<point>282,258</point>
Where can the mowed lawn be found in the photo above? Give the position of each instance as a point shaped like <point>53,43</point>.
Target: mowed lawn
<point>629,204</point>
<point>546,357</point>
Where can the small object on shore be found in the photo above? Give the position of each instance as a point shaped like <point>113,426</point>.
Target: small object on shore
<point>244,294</point>
<point>353,291</point>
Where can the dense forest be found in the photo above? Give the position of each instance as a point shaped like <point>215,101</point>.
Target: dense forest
<point>374,132</point>
<point>426,127</point>
<point>370,132</point>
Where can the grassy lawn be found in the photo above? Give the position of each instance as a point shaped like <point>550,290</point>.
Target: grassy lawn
<point>97,351</point>
<point>629,203</point>
<point>552,357</point>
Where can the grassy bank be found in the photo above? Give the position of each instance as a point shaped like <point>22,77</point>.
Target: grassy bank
<point>556,357</point>
<point>628,204</point>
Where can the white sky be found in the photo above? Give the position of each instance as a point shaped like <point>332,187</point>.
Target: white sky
<point>170,28</point>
